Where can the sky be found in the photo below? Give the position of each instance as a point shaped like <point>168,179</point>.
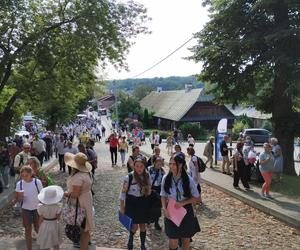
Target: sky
<point>173,23</point>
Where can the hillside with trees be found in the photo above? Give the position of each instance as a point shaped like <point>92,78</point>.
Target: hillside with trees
<point>166,83</point>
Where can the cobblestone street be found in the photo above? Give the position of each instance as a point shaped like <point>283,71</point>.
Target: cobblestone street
<point>226,223</point>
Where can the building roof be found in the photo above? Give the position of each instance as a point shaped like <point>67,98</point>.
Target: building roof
<point>174,104</point>
<point>250,112</point>
<point>103,98</point>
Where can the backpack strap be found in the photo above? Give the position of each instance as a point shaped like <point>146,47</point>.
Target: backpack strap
<point>130,176</point>
<point>155,178</point>
<point>36,185</point>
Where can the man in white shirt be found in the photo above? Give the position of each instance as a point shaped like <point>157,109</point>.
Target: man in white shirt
<point>191,140</point>
<point>70,149</point>
<point>39,147</point>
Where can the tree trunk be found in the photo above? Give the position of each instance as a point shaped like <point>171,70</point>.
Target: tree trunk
<point>5,124</point>
<point>283,107</point>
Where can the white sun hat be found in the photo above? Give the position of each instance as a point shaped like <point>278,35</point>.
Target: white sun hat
<point>51,195</point>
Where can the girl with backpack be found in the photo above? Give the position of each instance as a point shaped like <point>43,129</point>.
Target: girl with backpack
<point>156,172</point>
<point>27,190</point>
<point>181,188</point>
<point>193,169</point>
<point>134,200</point>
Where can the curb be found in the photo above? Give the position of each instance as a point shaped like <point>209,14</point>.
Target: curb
<point>280,216</point>
<point>247,200</point>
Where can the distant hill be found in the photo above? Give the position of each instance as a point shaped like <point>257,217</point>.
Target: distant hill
<point>167,83</point>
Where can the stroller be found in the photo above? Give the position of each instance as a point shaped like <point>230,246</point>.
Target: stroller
<point>255,173</point>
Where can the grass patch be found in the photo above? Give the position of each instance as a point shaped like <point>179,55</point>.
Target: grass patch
<point>287,185</point>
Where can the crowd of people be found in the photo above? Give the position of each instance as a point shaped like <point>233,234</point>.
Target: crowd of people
<point>147,191</point>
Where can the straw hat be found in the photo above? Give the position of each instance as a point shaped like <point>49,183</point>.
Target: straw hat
<point>51,195</point>
<point>78,161</point>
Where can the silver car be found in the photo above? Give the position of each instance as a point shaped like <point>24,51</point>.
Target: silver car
<point>258,135</point>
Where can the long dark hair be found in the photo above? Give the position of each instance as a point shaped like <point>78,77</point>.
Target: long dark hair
<point>179,160</point>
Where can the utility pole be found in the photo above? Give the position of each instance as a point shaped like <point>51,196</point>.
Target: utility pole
<point>116,105</point>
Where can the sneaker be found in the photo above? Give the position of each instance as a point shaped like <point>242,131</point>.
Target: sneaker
<point>236,187</point>
<point>229,173</point>
<point>269,197</point>
<point>263,196</point>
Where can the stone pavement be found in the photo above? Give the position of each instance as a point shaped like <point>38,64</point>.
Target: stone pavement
<point>21,245</point>
<point>282,208</point>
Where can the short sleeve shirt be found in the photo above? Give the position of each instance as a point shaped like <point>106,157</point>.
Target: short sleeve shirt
<point>178,195</point>
<point>153,172</point>
<point>269,166</point>
<point>193,170</point>
<point>31,191</point>
<point>133,190</point>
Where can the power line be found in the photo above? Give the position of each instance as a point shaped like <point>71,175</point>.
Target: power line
<point>163,58</point>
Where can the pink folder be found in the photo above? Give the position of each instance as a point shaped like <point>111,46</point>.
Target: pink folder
<point>176,215</point>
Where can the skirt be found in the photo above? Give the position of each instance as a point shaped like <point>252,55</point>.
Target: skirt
<point>188,227</point>
<point>137,209</point>
<point>154,204</point>
<point>50,234</point>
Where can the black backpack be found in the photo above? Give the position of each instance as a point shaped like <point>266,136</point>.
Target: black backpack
<point>201,164</point>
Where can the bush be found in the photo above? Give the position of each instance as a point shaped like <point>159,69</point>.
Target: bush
<point>164,134</point>
<point>238,127</point>
<point>199,133</point>
<point>267,125</point>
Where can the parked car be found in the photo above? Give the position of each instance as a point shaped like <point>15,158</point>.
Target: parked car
<point>258,135</point>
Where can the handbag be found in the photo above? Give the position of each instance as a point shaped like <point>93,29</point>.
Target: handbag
<point>73,215</point>
<point>73,230</point>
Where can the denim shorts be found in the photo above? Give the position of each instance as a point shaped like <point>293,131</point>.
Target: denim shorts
<point>29,217</point>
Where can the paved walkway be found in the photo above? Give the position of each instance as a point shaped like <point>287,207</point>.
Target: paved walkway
<point>21,245</point>
<point>281,207</point>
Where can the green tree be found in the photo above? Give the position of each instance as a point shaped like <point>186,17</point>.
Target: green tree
<point>128,107</point>
<point>251,50</point>
<point>49,51</point>
<point>141,91</point>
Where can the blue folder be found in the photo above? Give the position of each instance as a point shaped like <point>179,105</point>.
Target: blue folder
<point>125,221</point>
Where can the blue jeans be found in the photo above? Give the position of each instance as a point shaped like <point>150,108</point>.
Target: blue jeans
<point>4,173</point>
<point>122,157</point>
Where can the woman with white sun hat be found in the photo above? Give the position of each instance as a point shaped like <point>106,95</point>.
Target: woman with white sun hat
<point>49,210</point>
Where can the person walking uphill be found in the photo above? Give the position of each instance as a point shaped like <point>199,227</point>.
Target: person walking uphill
<point>134,200</point>
<point>79,186</point>
<point>27,190</point>
<point>177,185</point>
<point>49,210</point>
<point>156,172</point>
<point>113,147</point>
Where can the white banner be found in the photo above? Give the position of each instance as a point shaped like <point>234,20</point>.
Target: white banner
<point>222,126</point>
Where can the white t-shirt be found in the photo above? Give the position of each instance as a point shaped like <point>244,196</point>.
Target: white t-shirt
<point>39,146</point>
<point>193,171</point>
<point>30,201</point>
<point>191,140</point>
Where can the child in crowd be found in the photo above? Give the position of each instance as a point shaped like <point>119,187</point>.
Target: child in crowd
<point>49,210</point>
<point>27,190</point>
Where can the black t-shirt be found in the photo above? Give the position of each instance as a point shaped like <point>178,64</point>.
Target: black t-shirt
<point>223,146</point>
